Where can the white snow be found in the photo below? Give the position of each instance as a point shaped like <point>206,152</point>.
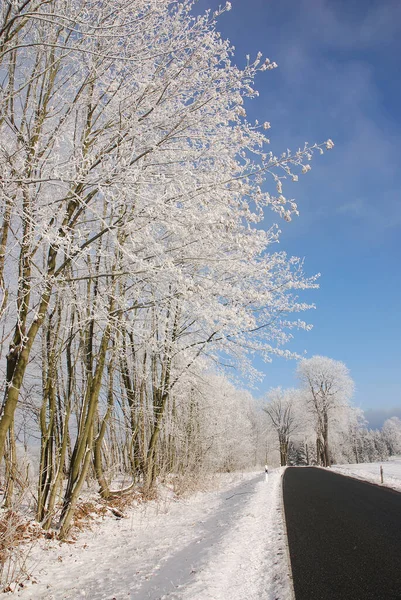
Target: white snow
<point>250,561</point>
<point>371,472</point>
<point>227,544</point>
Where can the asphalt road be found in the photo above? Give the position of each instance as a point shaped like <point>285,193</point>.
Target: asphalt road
<point>344,536</point>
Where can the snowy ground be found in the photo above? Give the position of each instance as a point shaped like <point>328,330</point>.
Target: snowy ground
<point>371,472</point>
<point>229,544</point>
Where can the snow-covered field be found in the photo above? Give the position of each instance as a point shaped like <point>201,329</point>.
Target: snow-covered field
<point>371,472</point>
<point>227,544</point>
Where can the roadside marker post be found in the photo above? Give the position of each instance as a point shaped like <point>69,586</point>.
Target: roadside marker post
<point>381,474</point>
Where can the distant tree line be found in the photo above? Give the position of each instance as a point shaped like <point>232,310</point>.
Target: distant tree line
<point>316,424</point>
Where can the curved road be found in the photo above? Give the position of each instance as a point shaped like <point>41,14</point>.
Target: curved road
<point>344,536</point>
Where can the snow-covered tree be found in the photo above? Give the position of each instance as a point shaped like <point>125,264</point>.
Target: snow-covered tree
<point>391,431</point>
<point>282,408</point>
<point>346,431</point>
<point>328,389</point>
<point>132,185</point>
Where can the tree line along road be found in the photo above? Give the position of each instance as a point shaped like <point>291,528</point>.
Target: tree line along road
<point>344,536</point>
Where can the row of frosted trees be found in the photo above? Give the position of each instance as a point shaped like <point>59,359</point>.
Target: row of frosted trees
<point>132,187</point>
<point>316,423</point>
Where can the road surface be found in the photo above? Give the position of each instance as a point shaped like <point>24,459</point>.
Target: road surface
<point>344,536</point>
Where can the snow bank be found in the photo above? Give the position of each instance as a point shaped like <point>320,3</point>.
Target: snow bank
<point>371,472</point>
<point>251,560</point>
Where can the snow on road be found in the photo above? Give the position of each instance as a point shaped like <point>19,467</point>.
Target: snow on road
<point>371,472</point>
<point>228,544</point>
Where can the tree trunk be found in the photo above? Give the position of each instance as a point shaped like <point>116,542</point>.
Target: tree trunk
<point>82,453</point>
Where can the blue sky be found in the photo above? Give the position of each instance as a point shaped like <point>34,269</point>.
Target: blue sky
<point>339,77</point>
